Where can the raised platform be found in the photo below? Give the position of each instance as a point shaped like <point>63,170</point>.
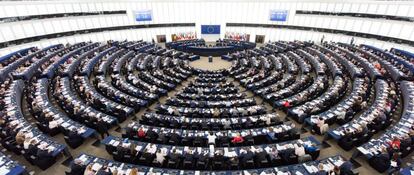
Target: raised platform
<point>217,63</point>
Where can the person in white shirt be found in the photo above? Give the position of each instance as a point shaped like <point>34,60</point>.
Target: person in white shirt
<point>299,150</point>
<point>152,149</point>
<point>322,126</point>
<point>29,142</point>
<point>211,139</point>
<point>160,157</point>
<point>268,120</point>
<point>227,124</point>
<point>228,103</point>
<point>341,115</point>
<point>53,124</point>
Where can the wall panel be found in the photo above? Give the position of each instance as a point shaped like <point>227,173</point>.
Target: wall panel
<point>207,12</point>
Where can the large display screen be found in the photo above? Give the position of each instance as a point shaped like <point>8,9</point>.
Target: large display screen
<point>143,15</point>
<point>278,15</point>
<point>210,29</point>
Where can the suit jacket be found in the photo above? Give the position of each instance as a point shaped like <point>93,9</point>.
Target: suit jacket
<point>261,156</point>
<point>102,126</point>
<point>190,157</point>
<point>151,134</point>
<point>346,168</point>
<point>162,137</point>
<point>247,156</point>
<point>219,157</point>
<point>43,154</point>
<point>74,137</point>
<point>175,138</point>
<point>77,169</point>
<point>32,150</point>
<point>103,172</point>
<point>175,157</point>
<point>321,172</point>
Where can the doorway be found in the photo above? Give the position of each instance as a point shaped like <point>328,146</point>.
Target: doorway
<point>260,39</point>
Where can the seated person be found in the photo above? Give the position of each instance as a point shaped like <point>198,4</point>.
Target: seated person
<point>89,170</point>
<point>271,135</point>
<point>211,138</point>
<point>77,168</point>
<point>321,127</point>
<point>238,139</point>
<point>299,150</point>
<point>174,156</point>
<point>381,161</point>
<point>346,168</point>
<point>151,135</point>
<point>395,163</point>
<point>395,144</point>
<point>321,170</point>
<point>219,157</point>
<point>260,155</point>
<point>141,133</point>
<point>74,137</point>
<point>245,155</point>
<point>160,157</point>
<point>312,150</point>
<point>104,170</point>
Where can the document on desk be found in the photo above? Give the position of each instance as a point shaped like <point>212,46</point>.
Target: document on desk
<point>4,170</point>
<point>96,166</point>
<point>83,158</point>
<point>298,173</point>
<point>363,150</point>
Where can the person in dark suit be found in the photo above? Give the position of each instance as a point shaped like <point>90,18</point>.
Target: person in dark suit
<point>190,155</point>
<point>151,135</point>
<point>346,141</point>
<point>129,132</point>
<point>261,156</point>
<point>175,138</point>
<point>381,162</point>
<point>246,156</point>
<point>174,156</point>
<point>219,156</point>
<point>198,140</point>
<point>44,158</point>
<point>204,125</point>
<point>201,156</point>
<point>102,128</point>
<point>162,138</point>
<point>74,137</point>
<point>248,123</point>
<point>104,170</point>
<point>224,140</point>
<point>321,170</point>
<point>174,123</point>
<point>346,168</point>
<point>77,168</point>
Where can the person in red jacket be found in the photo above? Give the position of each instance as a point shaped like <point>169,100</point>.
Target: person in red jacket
<point>286,104</point>
<point>237,139</point>
<point>395,143</point>
<point>141,133</point>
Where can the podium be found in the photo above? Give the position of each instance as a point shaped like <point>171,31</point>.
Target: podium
<point>210,59</point>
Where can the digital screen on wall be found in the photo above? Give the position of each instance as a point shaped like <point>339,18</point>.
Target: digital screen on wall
<point>210,29</point>
<point>278,15</point>
<point>143,15</point>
